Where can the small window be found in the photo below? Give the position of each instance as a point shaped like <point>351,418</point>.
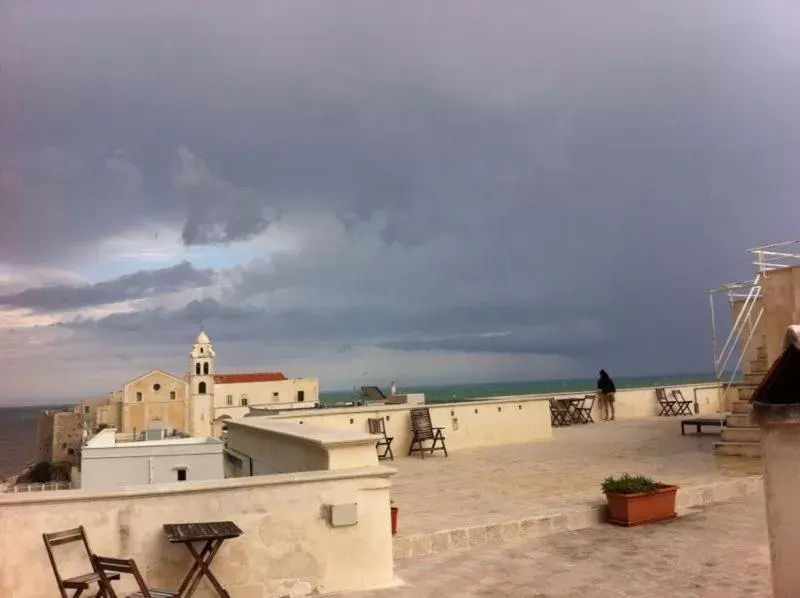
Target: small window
<point>205,367</point>
<point>244,401</point>
<point>201,388</point>
<point>230,399</point>
<point>87,409</point>
<point>139,396</point>
<point>276,396</point>
<point>301,396</point>
<point>201,350</point>
<point>156,387</point>
<point>172,395</point>
<point>197,368</point>
<point>181,475</point>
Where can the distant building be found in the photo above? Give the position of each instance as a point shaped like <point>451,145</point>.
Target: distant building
<point>202,401</point>
<point>106,463</point>
<point>59,435</point>
<point>88,408</point>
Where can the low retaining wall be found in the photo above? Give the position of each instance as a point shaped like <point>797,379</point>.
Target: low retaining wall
<point>496,421</point>
<point>288,548</point>
<point>506,420</point>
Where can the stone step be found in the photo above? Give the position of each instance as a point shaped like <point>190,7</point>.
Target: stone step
<point>753,378</point>
<point>758,366</point>
<point>741,434</point>
<point>745,393</point>
<point>740,407</point>
<point>751,450</point>
<point>739,420</point>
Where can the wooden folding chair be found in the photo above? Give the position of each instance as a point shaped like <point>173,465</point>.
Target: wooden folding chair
<point>559,414</point>
<point>79,583</point>
<point>683,406</point>
<point>422,429</point>
<point>377,425</point>
<point>668,406</point>
<point>584,412</point>
<point>104,565</point>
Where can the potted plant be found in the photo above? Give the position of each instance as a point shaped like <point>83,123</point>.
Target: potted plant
<point>394,511</point>
<point>634,500</point>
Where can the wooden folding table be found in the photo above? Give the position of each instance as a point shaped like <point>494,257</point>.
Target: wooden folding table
<point>212,535</point>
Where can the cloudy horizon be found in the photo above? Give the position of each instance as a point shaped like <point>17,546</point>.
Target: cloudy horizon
<point>420,192</point>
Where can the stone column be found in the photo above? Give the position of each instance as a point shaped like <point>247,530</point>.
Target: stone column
<point>780,452</point>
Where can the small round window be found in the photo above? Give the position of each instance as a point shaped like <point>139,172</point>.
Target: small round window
<point>156,387</point>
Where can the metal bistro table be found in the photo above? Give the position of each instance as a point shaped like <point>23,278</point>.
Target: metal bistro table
<point>213,534</point>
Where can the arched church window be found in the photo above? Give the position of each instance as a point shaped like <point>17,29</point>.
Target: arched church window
<point>201,388</point>
<point>201,349</point>
<point>205,367</point>
<point>197,368</point>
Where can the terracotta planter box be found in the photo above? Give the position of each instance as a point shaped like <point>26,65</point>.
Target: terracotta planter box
<point>636,509</point>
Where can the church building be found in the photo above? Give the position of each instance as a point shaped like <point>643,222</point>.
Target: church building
<point>201,401</point>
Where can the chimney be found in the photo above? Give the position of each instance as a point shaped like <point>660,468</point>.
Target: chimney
<point>776,409</point>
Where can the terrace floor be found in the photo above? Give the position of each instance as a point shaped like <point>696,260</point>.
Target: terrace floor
<point>507,483</point>
<point>719,551</point>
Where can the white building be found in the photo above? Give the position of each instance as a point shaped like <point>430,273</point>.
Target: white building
<point>106,463</point>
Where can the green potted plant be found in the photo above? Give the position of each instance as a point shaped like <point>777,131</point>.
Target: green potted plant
<point>634,500</point>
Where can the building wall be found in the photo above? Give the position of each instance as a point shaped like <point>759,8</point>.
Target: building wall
<point>44,436</point>
<point>88,408</point>
<point>288,546</point>
<point>267,393</point>
<point>267,446</point>
<point>493,422</point>
<point>154,404</point>
<point>157,462</point>
<point>781,298</point>
<point>59,435</point>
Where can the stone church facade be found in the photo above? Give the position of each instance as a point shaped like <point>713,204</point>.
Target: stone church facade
<point>202,400</point>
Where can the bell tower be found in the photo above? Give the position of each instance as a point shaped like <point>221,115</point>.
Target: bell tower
<point>201,386</point>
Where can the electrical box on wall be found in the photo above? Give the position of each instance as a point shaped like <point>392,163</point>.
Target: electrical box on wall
<point>343,514</point>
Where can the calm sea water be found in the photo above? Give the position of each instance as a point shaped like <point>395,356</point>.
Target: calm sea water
<point>466,392</point>
<point>18,424</point>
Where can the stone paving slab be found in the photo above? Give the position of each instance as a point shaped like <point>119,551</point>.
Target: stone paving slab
<point>719,551</point>
<point>497,485</point>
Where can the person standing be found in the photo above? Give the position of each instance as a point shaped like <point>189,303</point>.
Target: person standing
<point>606,388</point>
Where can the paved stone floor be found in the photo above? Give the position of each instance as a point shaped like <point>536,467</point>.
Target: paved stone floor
<point>508,483</point>
<point>720,551</point>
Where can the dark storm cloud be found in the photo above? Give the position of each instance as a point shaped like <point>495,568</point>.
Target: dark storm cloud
<point>518,177</point>
<point>473,329</point>
<point>145,283</point>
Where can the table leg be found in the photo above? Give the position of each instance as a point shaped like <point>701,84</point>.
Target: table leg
<point>203,559</point>
<point>195,574</point>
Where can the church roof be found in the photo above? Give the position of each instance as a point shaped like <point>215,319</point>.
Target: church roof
<point>202,338</point>
<point>249,377</point>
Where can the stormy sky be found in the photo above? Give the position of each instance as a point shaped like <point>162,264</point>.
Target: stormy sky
<point>361,191</point>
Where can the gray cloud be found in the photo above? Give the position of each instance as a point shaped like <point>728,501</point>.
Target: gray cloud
<point>145,283</point>
<point>450,171</point>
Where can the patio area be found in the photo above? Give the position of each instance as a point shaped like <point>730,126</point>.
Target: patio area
<point>719,551</point>
<point>509,483</point>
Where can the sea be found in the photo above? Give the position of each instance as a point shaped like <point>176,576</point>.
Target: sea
<point>18,424</point>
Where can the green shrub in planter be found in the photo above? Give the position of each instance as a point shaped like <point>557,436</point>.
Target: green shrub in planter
<point>630,484</point>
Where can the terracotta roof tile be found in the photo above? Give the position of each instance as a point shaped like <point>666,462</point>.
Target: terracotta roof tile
<point>249,377</point>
